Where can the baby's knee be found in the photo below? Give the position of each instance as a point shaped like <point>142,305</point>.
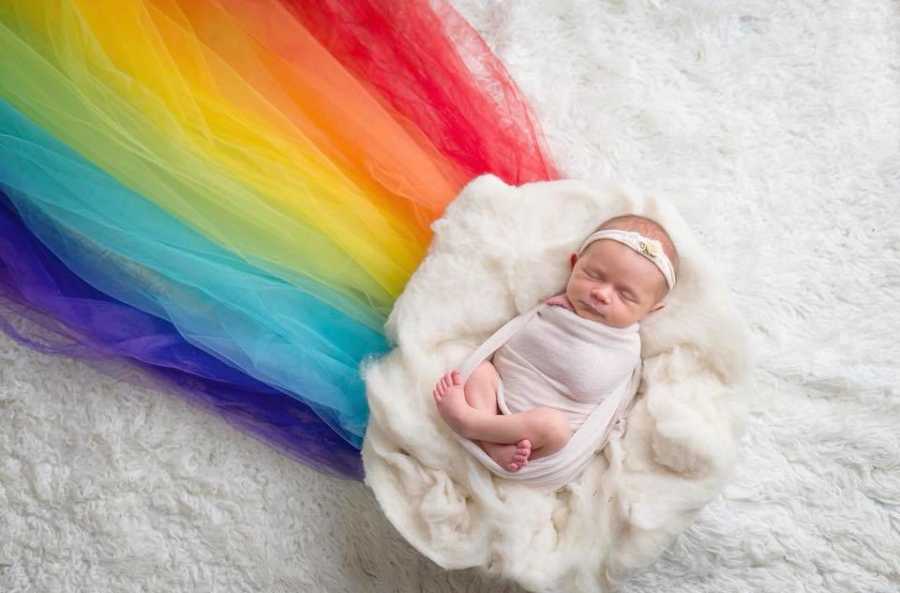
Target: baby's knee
<point>554,428</point>
<point>481,388</point>
<point>484,372</point>
<point>482,378</point>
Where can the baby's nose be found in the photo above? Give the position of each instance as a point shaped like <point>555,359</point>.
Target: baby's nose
<point>601,293</point>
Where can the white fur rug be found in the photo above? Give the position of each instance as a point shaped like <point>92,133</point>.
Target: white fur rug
<point>775,127</point>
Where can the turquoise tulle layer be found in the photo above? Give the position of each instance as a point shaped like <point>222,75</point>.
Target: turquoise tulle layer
<point>130,249</point>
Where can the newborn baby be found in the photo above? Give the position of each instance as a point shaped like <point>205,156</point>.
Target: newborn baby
<point>577,349</point>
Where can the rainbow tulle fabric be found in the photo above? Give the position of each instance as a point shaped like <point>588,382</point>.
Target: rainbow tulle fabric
<point>231,193</point>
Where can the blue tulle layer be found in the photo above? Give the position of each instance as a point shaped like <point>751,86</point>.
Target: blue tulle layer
<point>75,319</point>
<point>122,245</point>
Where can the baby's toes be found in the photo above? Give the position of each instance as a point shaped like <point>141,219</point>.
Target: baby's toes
<point>442,386</point>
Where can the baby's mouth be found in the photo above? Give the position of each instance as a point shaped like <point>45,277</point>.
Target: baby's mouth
<point>591,308</point>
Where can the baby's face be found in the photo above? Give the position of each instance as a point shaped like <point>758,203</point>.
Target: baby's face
<point>613,284</point>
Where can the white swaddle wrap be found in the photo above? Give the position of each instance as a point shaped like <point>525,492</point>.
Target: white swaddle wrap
<point>551,357</point>
<point>562,361</point>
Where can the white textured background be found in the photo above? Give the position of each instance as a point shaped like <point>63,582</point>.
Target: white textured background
<point>776,128</point>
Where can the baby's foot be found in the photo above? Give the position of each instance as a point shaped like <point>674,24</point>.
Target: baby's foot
<point>510,457</point>
<point>450,398</point>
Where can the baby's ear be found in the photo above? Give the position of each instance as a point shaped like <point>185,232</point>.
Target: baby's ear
<point>572,259</point>
<point>658,306</point>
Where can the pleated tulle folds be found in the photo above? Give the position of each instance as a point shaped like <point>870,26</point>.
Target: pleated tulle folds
<point>127,247</point>
<point>71,317</point>
<point>232,193</point>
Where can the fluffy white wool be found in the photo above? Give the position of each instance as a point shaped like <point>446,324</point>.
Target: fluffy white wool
<point>496,253</point>
<point>773,126</point>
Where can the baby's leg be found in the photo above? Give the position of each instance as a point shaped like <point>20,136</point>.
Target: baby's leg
<point>480,393</point>
<point>547,430</point>
<point>481,388</point>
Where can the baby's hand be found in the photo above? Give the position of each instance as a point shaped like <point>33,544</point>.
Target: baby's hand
<point>560,300</point>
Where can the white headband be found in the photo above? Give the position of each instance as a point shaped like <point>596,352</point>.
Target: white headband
<point>649,248</point>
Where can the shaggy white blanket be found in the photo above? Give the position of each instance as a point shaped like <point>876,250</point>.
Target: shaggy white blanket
<point>496,253</point>
<point>775,129</point>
